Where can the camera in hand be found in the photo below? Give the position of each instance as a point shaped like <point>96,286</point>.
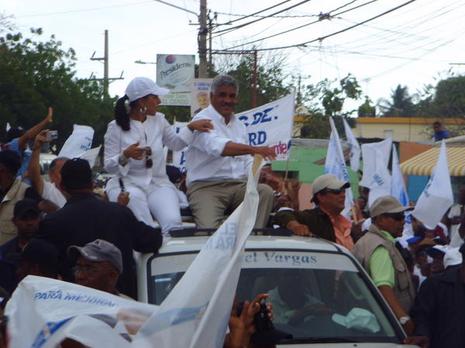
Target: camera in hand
<point>261,320</point>
<point>148,157</point>
<point>52,135</point>
<point>265,332</point>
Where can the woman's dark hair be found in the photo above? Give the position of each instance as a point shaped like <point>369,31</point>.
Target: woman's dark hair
<point>121,113</point>
<point>14,133</point>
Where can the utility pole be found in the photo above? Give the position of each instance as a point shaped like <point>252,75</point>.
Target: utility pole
<point>210,29</point>
<point>106,79</point>
<point>202,39</point>
<point>254,80</point>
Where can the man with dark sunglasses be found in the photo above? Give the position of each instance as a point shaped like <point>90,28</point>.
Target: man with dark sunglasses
<point>325,220</point>
<point>378,254</point>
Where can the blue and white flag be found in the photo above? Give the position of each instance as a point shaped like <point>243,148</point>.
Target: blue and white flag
<point>437,196</point>
<point>271,125</point>
<point>78,142</point>
<point>43,312</point>
<point>196,312</point>
<point>397,184</point>
<point>354,147</point>
<point>179,157</point>
<point>335,164</point>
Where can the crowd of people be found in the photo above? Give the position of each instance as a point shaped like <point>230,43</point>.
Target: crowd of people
<point>419,271</point>
<point>60,228</point>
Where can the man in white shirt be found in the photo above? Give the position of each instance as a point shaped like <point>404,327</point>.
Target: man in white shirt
<point>218,161</point>
<point>48,190</point>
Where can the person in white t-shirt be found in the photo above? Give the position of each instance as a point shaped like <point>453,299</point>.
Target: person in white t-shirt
<point>49,190</point>
<point>218,161</point>
<point>134,153</point>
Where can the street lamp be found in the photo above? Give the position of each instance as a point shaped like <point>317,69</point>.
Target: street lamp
<point>143,62</point>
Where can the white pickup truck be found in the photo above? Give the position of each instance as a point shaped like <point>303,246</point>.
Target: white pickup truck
<point>321,295</point>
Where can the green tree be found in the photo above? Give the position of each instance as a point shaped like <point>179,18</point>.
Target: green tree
<point>324,99</point>
<point>367,109</point>
<point>449,97</point>
<point>401,103</point>
<point>333,98</point>
<point>36,73</point>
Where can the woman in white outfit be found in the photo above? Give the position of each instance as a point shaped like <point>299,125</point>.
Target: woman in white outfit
<point>134,153</point>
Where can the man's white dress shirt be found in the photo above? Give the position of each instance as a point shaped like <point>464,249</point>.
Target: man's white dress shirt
<point>204,161</point>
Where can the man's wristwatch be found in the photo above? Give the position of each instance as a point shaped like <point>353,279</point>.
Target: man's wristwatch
<point>403,320</point>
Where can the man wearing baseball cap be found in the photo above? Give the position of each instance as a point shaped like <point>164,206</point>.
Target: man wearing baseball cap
<point>377,253</point>
<point>324,221</point>
<point>98,265</point>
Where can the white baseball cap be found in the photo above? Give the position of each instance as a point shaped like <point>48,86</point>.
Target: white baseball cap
<point>140,87</point>
<point>328,181</point>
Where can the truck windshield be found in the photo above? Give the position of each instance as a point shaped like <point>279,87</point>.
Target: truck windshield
<point>316,297</point>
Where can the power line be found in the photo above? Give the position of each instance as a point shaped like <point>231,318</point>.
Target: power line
<point>178,7</point>
<point>342,6</point>
<point>282,16</point>
<point>321,17</point>
<point>228,30</point>
<point>85,9</point>
<point>386,38</point>
<point>264,16</point>
<point>418,58</point>
<point>303,44</point>
<point>255,13</point>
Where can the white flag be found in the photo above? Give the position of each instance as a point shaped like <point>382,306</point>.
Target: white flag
<point>91,155</point>
<point>397,184</point>
<point>437,196</point>
<point>43,311</point>
<point>271,125</point>
<point>335,164</point>
<point>369,154</point>
<point>196,312</point>
<point>78,142</point>
<point>179,157</point>
<point>8,127</point>
<point>376,175</point>
<point>354,147</point>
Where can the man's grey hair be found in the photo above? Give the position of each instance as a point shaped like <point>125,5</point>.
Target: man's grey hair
<point>224,80</point>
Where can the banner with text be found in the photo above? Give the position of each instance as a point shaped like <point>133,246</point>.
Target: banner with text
<point>43,312</point>
<point>271,125</point>
<point>267,125</point>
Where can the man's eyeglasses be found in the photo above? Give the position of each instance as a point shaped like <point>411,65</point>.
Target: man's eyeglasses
<point>395,216</point>
<point>148,157</point>
<point>334,191</point>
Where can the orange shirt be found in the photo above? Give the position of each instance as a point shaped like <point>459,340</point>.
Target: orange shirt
<point>342,228</point>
